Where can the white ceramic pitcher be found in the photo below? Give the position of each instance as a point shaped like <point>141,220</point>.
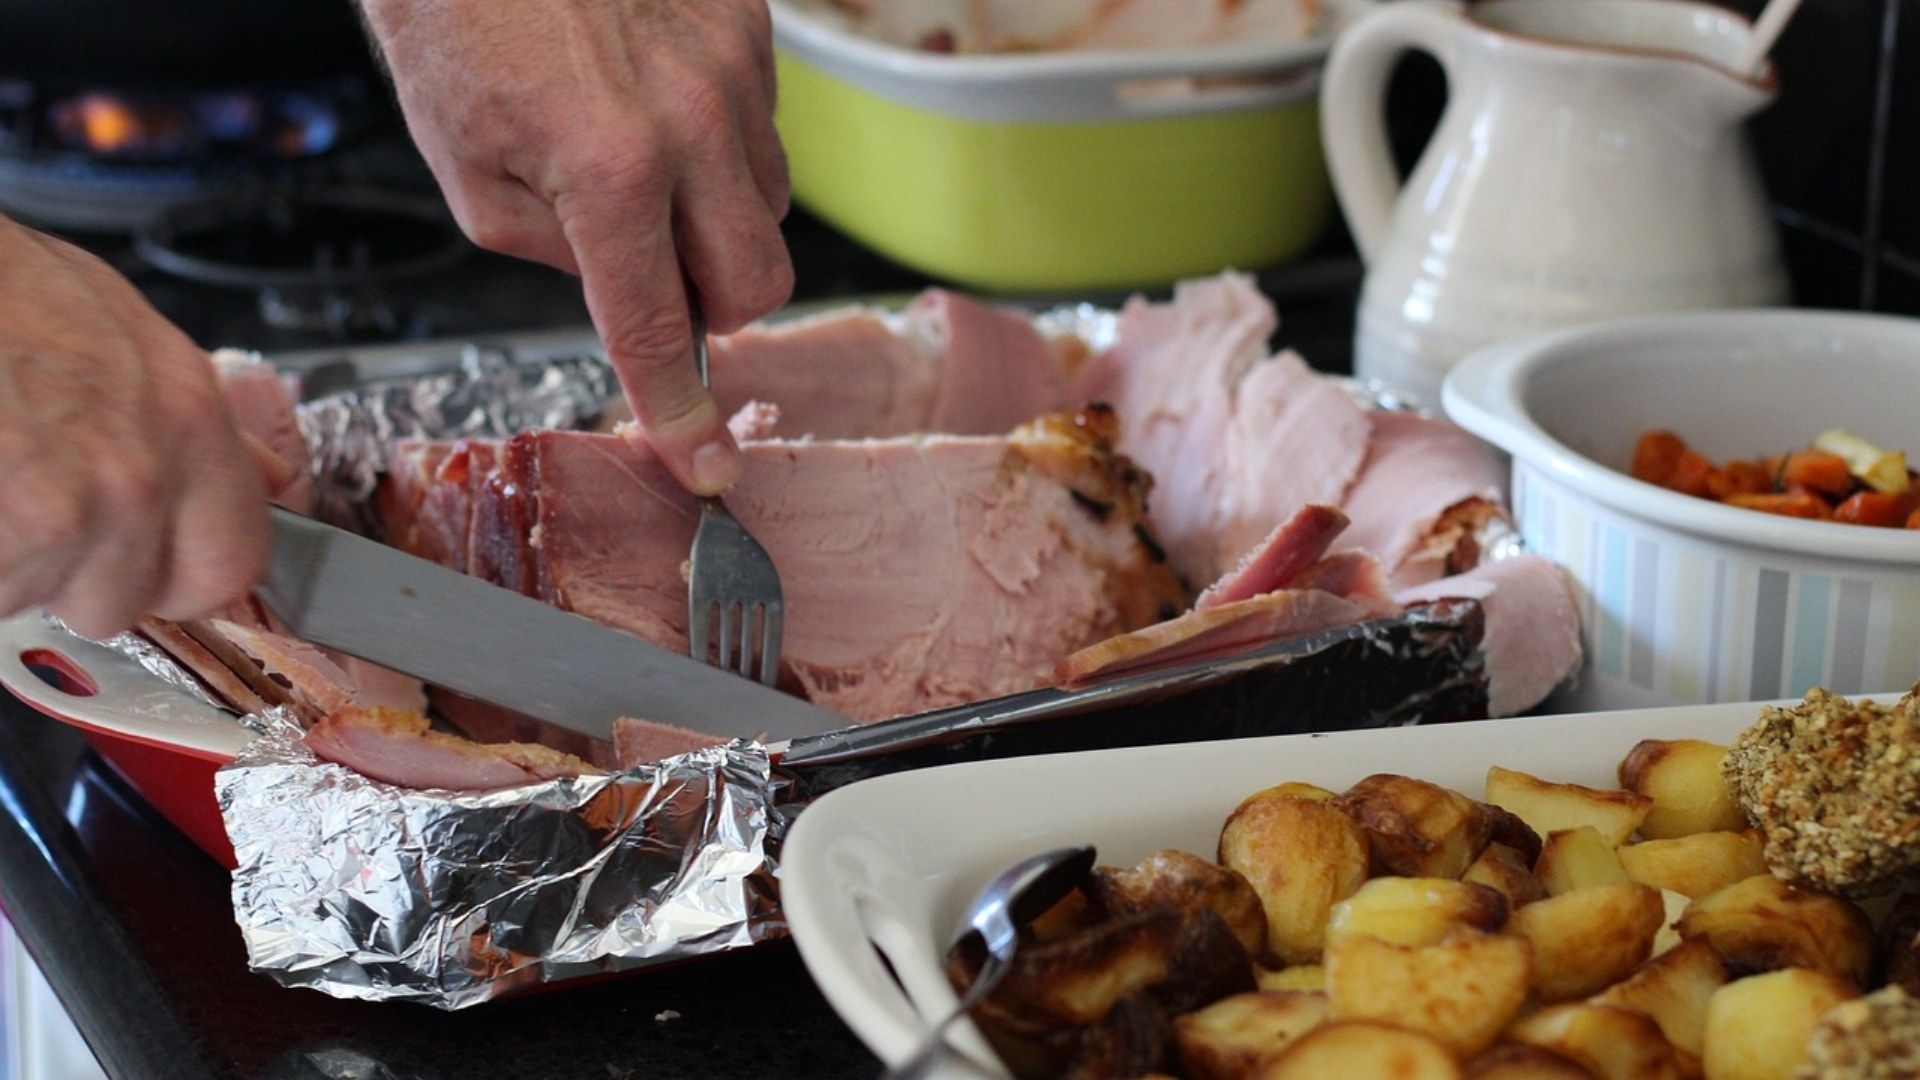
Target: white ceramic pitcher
<point>1592,161</point>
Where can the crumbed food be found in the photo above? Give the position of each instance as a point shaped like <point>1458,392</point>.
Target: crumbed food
<point>1833,784</point>
<point>1876,1037</point>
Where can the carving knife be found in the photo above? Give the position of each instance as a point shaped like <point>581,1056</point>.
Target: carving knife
<point>390,608</point>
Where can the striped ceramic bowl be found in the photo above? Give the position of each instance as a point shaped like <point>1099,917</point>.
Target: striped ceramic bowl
<point>1684,600</point>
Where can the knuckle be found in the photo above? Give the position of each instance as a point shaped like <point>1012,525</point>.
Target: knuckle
<point>652,342</point>
<point>133,485</point>
<point>704,107</point>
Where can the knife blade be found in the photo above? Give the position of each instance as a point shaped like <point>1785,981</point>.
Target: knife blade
<point>390,608</point>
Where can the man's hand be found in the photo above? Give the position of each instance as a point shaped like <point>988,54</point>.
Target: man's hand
<point>621,140</point>
<point>124,488</point>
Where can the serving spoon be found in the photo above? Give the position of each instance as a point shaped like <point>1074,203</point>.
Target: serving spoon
<point>1015,897</point>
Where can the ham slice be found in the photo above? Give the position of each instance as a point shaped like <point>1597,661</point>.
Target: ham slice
<point>316,685</point>
<point>218,676</point>
<point>399,748</point>
<point>1292,547</point>
<point>262,406</point>
<point>1532,640</point>
<point>643,742</point>
<point>1217,631</point>
<point>1422,475</point>
<point>921,572</point>
<point>1237,443</point>
<point>1355,575</point>
<point>952,365</point>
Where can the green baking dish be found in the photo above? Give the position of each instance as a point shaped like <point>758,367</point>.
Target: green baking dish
<point>1052,172</point>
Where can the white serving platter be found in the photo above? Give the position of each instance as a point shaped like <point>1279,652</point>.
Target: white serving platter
<point>885,866</point>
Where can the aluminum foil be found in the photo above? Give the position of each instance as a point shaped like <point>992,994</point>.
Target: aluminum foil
<point>366,890</point>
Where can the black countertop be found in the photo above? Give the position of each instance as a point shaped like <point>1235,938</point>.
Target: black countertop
<point>133,927</point>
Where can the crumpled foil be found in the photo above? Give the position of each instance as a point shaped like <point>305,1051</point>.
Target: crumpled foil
<point>489,395</point>
<point>366,890</point>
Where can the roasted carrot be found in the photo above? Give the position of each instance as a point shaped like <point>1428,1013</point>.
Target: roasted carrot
<point>1800,503</point>
<point>1817,469</point>
<point>1739,478</point>
<point>1656,455</point>
<point>1913,520</point>
<point>1690,474</point>
<point>1876,508</point>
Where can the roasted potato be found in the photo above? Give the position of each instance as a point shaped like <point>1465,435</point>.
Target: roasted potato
<point>1757,1027</point>
<point>1548,807</point>
<point>1682,777</point>
<point>1074,913</point>
<point>1416,911</point>
<point>1135,1038</point>
<point>1297,977</point>
<point>1577,859</point>
<point>1290,790</point>
<point>1696,864</point>
<point>1673,989</point>
<point>1511,832</point>
<point>1500,868</point>
<point>1899,963</point>
<point>1611,1043</point>
<point>1517,1061</point>
<point>1361,1050</point>
<point>1229,1038</point>
<point>1588,938</point>
<point>1077,980</point>
<point>1414,828</point>
<point>1301,856</point>
<point>1673,906</point>
<point>1763,923</point>
<point>1461,991</point>
<point>1188,884</point>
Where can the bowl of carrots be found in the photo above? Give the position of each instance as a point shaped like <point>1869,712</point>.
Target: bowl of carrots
<point>1729,492</point>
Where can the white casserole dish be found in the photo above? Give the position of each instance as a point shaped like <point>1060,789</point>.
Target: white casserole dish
<point>1683,599</point>
<point>881,868</point>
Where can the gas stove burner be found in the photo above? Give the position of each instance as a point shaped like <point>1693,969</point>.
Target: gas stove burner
<point>321,261</point>
<point>112,160</point>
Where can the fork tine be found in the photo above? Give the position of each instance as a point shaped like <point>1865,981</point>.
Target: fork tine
<point>770,643</point>
<point>726,633</point>
<point>700,631</point>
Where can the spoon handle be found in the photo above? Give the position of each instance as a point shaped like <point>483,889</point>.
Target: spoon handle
<point>922,1063</point>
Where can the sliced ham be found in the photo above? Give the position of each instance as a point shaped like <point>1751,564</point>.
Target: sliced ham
<point>1292,547</point>
<point>643,742</point>
<point>1355,575</point>
<point>994,371</point>
<point>1218,631</point>
<point>487,723</point>
<point>1236,442</point>
<point>920,572</point>
<point>262,406</point>
<point>227,684</point>
<point>316,685</point>
<point>1532,640</point>
<point>1416,500</point>
<point>399,747</point>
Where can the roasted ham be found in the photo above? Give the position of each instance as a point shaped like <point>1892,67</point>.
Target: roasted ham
<point>920,572</point>
<point>1426,488</point>
<point>1532,639</point>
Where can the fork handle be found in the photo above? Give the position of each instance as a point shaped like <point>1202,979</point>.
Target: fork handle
<point>936,1047</point>
<point>698,320</point>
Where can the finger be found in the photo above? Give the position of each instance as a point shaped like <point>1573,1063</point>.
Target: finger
<point>503,215</point>
<point>275,471</point>
<point>730,242</point>
<point>767,158</point>
<point>117,578</point>
<point>217,537</point>
<point>623,240</point>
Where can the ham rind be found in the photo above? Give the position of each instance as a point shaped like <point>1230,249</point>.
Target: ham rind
<point>1219,631</point>
<point>398,747</point>
<point>487,723</point>
<point>842,375</point>
<point>403,499</point>
<point>1297,438</point>
<point>261,406</point>
<point>643,742</point>
<point>1532,640</point>
<point>317,686</point>
<point>920,572</point>
<point>993,370</point>
<point>219,677</point>
<point>1170,377</point>
<point>1418,468</point>
<point>1292,547</point>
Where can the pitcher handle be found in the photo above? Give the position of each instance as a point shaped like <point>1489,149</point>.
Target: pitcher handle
<point>1352,106</point>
